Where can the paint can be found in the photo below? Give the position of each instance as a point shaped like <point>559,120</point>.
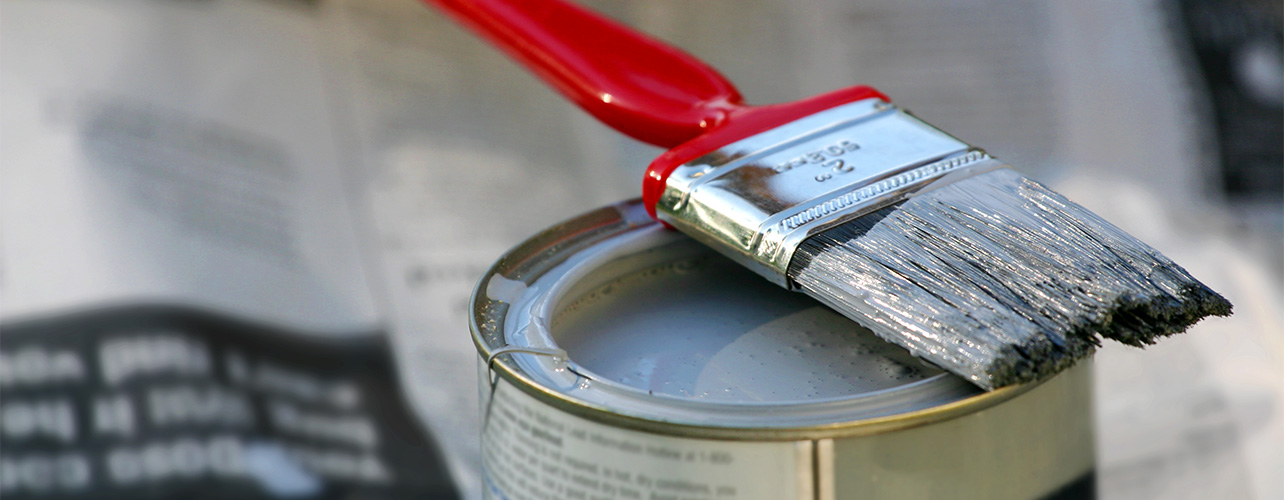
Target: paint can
<point>620,360</point>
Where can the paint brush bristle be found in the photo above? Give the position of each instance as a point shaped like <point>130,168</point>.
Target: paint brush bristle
<point>999,279</point>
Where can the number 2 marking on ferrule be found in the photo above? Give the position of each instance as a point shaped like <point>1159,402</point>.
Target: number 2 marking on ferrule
<point>826,157</point>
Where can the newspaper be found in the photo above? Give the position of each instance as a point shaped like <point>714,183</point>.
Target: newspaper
<point>184,298</point>
<point>443,154</point>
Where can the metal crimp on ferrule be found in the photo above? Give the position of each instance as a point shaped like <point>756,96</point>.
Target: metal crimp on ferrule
<point>757,199</point>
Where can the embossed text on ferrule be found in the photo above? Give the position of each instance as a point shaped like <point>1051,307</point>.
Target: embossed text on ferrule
<point>829,159</point>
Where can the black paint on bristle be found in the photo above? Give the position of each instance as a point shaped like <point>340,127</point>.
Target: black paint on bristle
<point>999,280</point>
<point>1142,324</point>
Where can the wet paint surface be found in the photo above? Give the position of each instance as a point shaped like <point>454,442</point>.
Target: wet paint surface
<point>724,335</point>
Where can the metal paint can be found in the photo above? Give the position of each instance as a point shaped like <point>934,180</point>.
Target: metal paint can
<point>620,360</point>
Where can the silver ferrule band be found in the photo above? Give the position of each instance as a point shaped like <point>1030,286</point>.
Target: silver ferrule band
<point>757,199</point>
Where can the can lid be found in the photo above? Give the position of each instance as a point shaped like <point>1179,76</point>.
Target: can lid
<point>613,318</point>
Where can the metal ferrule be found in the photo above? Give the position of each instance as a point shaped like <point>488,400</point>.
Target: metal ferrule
<point>757,199</point>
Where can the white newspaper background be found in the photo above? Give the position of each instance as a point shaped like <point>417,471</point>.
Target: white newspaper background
<point>185,303</point>
<point>222,149</point>
<point>469,155</point>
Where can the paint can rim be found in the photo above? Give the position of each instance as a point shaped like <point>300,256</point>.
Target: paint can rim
<point>552,246</point>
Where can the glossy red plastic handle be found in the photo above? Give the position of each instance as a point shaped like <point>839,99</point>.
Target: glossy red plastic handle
<point>638,85</point>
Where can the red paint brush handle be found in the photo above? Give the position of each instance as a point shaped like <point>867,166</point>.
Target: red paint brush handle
<point>640,86</point>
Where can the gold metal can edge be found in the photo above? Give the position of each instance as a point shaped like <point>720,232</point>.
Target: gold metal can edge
<point>854,428</point>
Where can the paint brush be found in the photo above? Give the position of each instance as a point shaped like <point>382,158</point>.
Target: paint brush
<point>926,240</point>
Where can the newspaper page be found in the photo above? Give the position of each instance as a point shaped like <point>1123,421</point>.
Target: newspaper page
<point>185,304</point>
